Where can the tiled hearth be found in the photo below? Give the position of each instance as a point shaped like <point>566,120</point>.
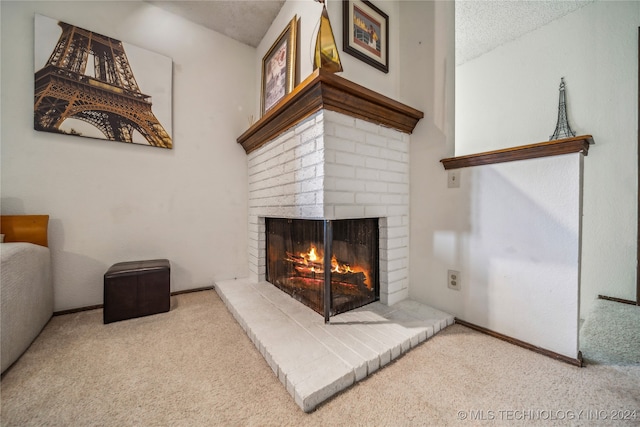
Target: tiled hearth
<point>314,360</point>
<point>331,150</point>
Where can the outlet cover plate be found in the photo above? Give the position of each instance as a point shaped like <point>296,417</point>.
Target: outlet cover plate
<point>453,179</point>
<point>453,280</point>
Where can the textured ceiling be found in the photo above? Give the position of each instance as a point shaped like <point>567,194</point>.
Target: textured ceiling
<point>482,26</point>
<point>244,20</point>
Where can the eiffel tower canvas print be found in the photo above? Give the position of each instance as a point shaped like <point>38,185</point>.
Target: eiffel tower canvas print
<point>91,85</point>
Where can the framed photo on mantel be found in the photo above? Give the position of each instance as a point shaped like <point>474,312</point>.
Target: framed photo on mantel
<point>279,67</point>
<point>366,33</point>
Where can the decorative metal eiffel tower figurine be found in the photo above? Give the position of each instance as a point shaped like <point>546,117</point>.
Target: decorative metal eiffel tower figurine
<point>563,130</point>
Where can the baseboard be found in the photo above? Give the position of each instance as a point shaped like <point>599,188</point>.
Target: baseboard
<point>552,354</point>
<point>188,291</point>
<point>94,307</point>
<point>77,310</point>
<point>623,301</point>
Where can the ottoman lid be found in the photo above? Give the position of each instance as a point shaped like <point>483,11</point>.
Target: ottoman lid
<point>129,267</point>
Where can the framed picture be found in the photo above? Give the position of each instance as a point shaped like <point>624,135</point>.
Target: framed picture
<point>366,33</point>
<point>279,67</point>
<point>92,85</point>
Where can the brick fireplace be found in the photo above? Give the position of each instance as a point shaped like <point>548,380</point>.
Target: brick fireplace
<point>331,152</point>
<point>334,150</point>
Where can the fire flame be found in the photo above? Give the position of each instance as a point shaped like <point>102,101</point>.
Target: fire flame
<point>336,267</point>
<point>312,255</point>
<point>317,257</point>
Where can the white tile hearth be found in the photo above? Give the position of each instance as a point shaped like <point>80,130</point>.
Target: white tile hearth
<point>314,360</point>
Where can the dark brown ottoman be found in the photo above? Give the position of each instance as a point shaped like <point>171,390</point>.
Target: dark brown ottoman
<point>136,288</point>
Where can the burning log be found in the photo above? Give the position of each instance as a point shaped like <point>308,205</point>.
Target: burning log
<point>341,272</point>
<point>304,262</point>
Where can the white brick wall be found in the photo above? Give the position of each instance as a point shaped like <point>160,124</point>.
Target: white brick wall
<point>334,166</point>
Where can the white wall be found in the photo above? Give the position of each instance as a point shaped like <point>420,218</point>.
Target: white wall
<point>308,13</point>
<point>110,202</point>
<point>509,97</point>
<point>427,76</point>
<point>518,249</point>
<point>515,279</point>
<point>427,61</point>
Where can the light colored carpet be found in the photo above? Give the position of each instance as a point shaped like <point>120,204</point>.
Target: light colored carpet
<point>194,366</point>
<point>610,334</point>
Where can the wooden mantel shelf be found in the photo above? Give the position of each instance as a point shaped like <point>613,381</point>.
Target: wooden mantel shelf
<point>322,90</point>
<point>578,144</point>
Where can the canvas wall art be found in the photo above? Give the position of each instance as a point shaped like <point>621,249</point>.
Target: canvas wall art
<point>92,85</point>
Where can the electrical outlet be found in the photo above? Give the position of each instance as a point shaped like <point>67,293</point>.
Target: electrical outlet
<point>453,280</point>
<point>453,179</point>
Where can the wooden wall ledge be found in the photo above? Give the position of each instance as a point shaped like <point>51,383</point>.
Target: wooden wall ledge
<point>322,90</point>
<point>578,144</point>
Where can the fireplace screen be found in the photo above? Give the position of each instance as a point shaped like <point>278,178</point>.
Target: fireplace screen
<point>296,261</point>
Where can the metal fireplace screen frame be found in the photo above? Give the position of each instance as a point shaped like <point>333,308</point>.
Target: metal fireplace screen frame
<point>296,263</point>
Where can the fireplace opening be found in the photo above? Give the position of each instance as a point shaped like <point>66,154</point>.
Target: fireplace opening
<point>296,261</point>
